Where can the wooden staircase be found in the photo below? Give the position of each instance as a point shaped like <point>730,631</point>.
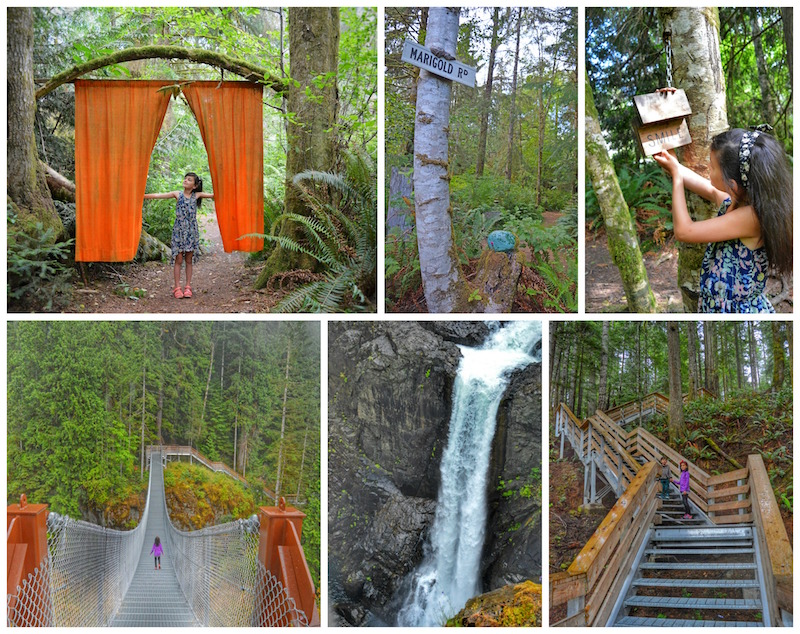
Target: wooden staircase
<point>730,565</point>
<point>695,577</point>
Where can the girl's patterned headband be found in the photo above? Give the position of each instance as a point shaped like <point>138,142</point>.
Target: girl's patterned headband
<point>745,146</point>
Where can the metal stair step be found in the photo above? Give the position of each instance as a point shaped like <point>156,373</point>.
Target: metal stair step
<point>701,565</point>
<point>691,603</point>
<point>670,543</point>
<point>699,551</point>
<point>638,621</point>
<point>704,533</point>
<point>696,583</point>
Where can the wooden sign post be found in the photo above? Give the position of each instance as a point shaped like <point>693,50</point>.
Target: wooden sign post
<point>422,57</point>
<point>662,120</point>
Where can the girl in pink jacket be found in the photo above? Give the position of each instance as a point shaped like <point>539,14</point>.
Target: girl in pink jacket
<point>157,551</point>
<point>683,484</point>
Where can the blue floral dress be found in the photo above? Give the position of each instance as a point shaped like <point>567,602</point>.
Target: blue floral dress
<point>185,233</point>
<point>733,277</point>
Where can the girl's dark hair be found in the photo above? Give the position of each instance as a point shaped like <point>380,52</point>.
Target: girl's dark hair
<point>198,185</point>
<point>769,190</point>
<point>158,541</point>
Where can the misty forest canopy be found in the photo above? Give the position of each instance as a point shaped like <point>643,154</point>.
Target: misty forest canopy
<point>83,395</point>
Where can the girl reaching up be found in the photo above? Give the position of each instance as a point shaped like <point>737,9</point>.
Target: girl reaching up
<point>185,233</point>
<point>752,233</point>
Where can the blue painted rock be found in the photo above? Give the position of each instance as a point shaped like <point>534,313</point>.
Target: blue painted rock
<point>502,241</point>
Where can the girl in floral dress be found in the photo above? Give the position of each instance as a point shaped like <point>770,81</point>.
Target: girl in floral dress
<point>752,233</point>
<point>185,233</point>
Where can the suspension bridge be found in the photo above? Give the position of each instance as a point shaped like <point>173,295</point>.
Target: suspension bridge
<point>247,573</point>
<point>729,565</point>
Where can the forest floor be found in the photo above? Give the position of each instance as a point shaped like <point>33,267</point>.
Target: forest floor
<point>221,283</point>
<point>531,288</point>
<point>604,292</point>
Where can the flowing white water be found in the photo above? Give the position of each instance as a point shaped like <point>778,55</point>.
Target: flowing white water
<point>450,572</point>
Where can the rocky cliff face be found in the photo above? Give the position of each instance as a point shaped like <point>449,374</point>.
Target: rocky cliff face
<point>389,387</point>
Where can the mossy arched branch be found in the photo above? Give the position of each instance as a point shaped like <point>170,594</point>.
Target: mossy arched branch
<point>249,71</point>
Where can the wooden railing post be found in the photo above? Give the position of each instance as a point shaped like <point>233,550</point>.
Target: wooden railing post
<point>27,548</point>
<point>280,551</point>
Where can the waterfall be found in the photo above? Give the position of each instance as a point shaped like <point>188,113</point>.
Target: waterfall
<point>449,574</point>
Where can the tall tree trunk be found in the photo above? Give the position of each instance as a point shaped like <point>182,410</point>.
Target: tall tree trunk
<point>222,363</point>
<point>487,94</point>
<point>737,347</point>
<point>236,416</point>
<point>25,176</point>
<point>697,68</point>
<point>691,344</point>
<point>623,243</point>
<point>302,464</point>
<point>208,385</point>
<point>767,102</point>
<point>313,98</point>
<point>677,425</point>
<point>778,372</point>
<point>283,420</point>
<point>753,356</point>
<point>787,16</point>
<point>144,400</point>
<point>442,280</point>
<point>574,395</point>
<point>602,401</point>
<point>512,112</point>
<point>160,410</point>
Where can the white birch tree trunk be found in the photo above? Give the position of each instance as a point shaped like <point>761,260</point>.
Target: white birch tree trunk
<point>444,286</point>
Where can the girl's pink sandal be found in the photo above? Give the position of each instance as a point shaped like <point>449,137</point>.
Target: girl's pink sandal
<point>178,293</point>
<point>187,292</point>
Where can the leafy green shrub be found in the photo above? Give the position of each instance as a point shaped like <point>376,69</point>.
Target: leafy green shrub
<point>341,234</point>
<point>648,192</point>
<point>471,228</point>
<point>401,263</point>
<point>39,274</point>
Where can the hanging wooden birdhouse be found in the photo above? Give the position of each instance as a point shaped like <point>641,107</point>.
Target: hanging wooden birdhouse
<point>661,123</point>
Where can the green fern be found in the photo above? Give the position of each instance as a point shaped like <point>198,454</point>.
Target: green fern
<point>340,233</point>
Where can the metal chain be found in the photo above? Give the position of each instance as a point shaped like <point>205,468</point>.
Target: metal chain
<point>668,53</point>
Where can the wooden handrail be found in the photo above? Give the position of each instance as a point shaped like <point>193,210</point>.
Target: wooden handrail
<point>776,549</point>
<point>593,580</point>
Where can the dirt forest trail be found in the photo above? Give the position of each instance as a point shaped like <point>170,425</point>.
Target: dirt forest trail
<point>221,283</point>
<point>603,283</point>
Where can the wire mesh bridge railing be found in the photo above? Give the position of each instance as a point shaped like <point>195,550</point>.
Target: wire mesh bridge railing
<point>84,572</point>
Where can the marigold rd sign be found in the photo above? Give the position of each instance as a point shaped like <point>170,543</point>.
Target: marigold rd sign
<point>422,57</point>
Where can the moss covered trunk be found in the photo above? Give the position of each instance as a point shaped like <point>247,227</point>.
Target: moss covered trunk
<point>313,99</point>
<point>26,185</point>
<point>623,243</point>
<point>697,68</point>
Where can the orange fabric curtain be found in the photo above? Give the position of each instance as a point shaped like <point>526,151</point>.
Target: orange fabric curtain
<point>116,126</point>
<point>230,117</point>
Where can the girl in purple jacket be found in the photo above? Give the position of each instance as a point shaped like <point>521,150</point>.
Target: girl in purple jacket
<point>683,483</point>
<point>157,551</point>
